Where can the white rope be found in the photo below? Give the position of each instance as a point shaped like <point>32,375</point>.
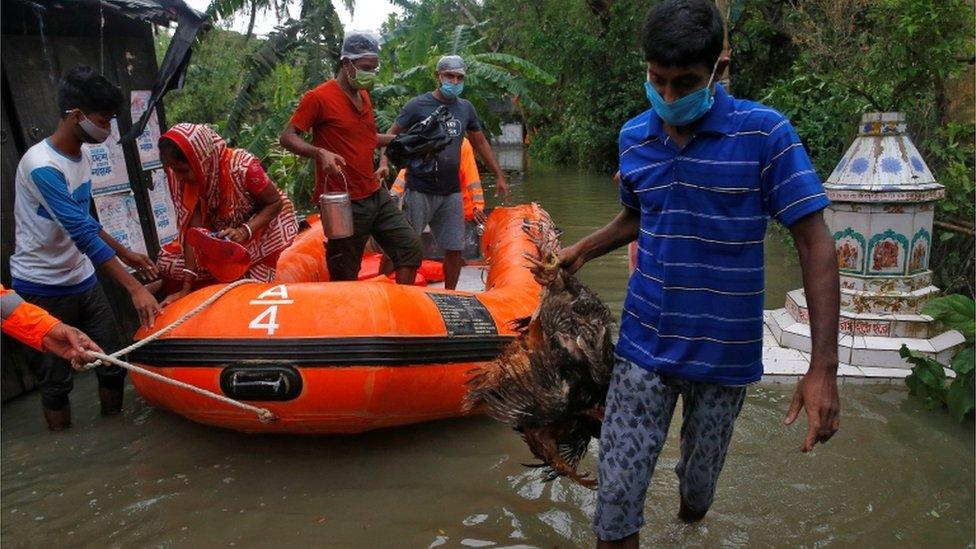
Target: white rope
<point>263,414</point>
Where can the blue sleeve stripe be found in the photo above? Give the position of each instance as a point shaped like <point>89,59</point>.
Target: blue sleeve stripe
<point>81,227</point>
<point>802,208</point>
<point>101,255</point>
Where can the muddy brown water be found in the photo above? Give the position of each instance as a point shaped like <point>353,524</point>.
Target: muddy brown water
<point>895,475</point>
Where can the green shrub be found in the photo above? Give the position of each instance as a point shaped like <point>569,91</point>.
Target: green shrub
<point>928,379</point>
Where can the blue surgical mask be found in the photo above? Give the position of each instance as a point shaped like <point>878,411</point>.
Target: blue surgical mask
<point>452,90</point>
<point>686,110</point>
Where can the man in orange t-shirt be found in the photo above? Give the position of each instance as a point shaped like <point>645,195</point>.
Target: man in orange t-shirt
<point>339,114</point>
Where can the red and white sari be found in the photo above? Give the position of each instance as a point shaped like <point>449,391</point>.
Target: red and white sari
<point>228,180</point>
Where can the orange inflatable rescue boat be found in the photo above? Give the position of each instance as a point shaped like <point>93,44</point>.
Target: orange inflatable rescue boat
<point>341,357</point>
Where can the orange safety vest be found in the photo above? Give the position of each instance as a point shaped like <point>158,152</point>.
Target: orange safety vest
<point>471,192</point>
<point>24,321</point>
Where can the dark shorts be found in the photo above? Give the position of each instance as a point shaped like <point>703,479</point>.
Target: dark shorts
<point>91,313</point>
<point>377,216</point>
<point>639,408</point>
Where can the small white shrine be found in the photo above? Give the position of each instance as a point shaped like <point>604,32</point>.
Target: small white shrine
<point>883,198</point>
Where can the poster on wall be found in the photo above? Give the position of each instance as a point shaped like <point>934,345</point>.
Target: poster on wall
<point>147,142</point>
<point>107,161</point>
<point>164,214</point>
<point>119,217</point>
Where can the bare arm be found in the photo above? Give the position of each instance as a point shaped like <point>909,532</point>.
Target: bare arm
<point>392,132</point>
<point>483,149</point>
<point>817,390</point>
<point>145,304</point>
<point>621,230</point>
<point>269,205</point>
<point>189,260</point>
<point>137,261</point>
<point>383,171</point>
<point>328,161</point>
<point>291,139</point>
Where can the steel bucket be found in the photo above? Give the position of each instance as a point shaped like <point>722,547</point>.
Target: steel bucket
<point>336,212</point>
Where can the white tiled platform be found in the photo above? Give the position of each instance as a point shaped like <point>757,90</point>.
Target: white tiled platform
<point>784,365</point>
<point>862,358</point>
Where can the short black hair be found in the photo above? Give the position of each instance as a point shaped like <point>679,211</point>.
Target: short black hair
<point>83,88</point>
<point>682,33</point>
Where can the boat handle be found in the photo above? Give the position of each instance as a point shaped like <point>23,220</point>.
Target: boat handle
<point>241,383</point>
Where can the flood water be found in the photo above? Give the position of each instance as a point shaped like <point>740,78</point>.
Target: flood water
<point>895,475</point>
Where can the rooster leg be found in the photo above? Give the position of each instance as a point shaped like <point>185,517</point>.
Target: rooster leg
<point>543,445</point>
<point>564,469</point>
<point>535,261</point>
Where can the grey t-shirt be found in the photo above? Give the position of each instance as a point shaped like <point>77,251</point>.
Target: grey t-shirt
<point>438,175</point>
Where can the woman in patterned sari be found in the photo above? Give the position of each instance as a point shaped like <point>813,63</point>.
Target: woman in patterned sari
<point>223,190</point>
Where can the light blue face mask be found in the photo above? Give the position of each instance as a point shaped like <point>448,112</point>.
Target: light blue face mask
<point>686,110</point>
<point>452,90</point>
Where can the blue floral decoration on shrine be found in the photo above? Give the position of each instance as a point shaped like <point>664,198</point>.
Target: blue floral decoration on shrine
<point>859,165</point>
<point>890,165</point>
<point>917,164</point>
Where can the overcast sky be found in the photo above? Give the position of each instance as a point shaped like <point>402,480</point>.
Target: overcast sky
<point>369,15</point>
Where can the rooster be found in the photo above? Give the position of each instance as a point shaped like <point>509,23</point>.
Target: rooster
<point>551,382</point>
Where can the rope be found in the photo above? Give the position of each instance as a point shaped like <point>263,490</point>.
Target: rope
<point>263,414</point>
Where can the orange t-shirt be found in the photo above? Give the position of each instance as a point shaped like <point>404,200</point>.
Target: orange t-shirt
<point>338,126</point>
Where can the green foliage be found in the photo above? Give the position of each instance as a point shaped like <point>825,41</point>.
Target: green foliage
<point>762,49</point>
<point>212,79</point>
<point>856,56</point>
<point>950,152</point>
<point>259,66</point>
<point>592,48</point>
<point>928,380</point>
<point>956,312</point>
<point>824,115</point>
<point>426,31</point>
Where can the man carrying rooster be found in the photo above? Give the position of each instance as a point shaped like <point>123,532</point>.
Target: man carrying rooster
<point>700,175</point>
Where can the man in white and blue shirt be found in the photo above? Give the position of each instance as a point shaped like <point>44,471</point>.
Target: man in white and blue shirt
<point>59,245</point>
<point>701,173</point>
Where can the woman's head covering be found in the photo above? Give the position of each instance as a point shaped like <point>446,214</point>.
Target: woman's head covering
<point>214,164</point>
<point>201,146</point>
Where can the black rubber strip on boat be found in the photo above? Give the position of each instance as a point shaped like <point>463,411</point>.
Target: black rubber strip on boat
<point>323,352</point>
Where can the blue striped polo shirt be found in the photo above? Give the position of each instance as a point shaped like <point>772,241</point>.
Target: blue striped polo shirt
<point>695,300</point>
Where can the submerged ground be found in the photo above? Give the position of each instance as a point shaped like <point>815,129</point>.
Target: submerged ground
<point>895,475</point>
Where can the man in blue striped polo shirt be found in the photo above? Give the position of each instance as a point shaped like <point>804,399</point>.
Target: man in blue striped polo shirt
<point>701,173</point>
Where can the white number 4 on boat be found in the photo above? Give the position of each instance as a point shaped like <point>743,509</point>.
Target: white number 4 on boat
<point>268,318</point>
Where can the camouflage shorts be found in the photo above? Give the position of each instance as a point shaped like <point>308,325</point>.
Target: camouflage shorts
<point>639,409</point>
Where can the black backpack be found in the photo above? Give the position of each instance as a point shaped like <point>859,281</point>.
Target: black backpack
<point>423,140</point>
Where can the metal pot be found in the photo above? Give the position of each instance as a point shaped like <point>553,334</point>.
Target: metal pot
<point>336,212</point>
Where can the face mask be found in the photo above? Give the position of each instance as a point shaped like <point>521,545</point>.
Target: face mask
<point>686,110</point>
<point>450,90</point>
<point>363,80</point>
<point>92,133</point>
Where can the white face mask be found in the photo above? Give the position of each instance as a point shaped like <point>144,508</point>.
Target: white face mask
<point>91,132</point>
